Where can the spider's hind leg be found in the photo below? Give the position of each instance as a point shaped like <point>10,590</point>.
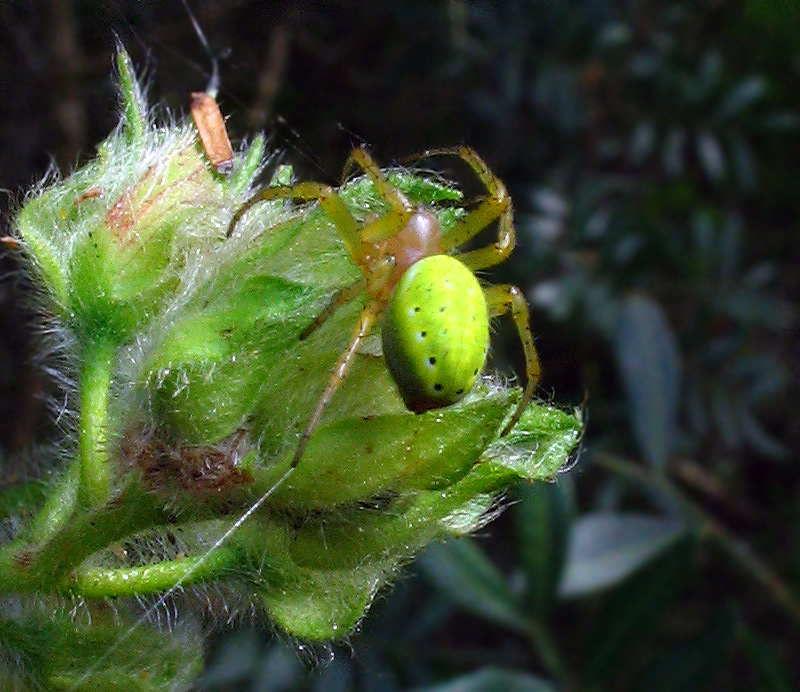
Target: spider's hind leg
<point>503,299</point>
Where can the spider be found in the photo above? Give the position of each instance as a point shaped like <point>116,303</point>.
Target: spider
<point>435,329</point>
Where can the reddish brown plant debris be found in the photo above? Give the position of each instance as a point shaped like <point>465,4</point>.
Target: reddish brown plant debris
<point>195,468</point>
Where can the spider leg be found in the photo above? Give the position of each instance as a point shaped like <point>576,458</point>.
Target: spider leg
<point>341,297</point>
<point>401,209</point>
<point>366,320</point>
<point>328,199</point>
<point>496,206</point>
<point>502,299</point>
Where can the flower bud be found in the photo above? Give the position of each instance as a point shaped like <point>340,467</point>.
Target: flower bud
<point>196,386</point>
<point>110,241</point>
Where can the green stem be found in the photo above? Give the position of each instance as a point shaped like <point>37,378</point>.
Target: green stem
<point>95,383</point>
<point>57,508</point>
<point>88,476</point>
<point>707,527</point>
<point>26,566</point>
<point>153,578</point>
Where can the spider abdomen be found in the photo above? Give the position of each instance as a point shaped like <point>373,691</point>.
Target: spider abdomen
<point>436,332</point>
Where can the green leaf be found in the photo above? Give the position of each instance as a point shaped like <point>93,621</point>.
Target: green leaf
<point>542,519</point>
<point>399,525</point>
<point>492,680</point>
<point>606,548</point>
<point>42,251</point>
<point>317,605</point>
<point>361,458</point>
<point>207,368</point>
<point>539,445</point>
<point>316,576</point>
<point>351,460</point>
<point>309,603</point>
<point>647,357</point>
<point>134,107</point>
<point>464,575</point>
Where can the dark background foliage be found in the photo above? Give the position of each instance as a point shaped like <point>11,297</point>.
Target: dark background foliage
<point>651,149</point>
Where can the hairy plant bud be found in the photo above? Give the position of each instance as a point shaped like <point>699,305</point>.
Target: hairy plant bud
<point>198,373</point>
<point>110,242</point>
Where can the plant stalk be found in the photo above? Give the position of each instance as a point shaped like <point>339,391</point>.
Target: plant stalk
<point>95,382</point>
<point>149,579</point>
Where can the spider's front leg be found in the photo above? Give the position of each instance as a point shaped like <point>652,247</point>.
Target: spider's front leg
<point>400,209</point>
<point>502,299</point>
<point>496,206</point>
<point>342,297</point>
<point>366,320</point>
<point>328,199</point>
<point>342,219</point>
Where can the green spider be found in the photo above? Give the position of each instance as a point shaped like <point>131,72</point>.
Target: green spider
<point>435,330</point>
